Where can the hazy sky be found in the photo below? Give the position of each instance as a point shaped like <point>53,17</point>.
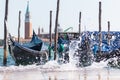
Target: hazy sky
<point>68,15</point>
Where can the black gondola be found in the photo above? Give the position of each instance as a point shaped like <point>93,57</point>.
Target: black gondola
<point>28,54</point>
<point>35,43</point>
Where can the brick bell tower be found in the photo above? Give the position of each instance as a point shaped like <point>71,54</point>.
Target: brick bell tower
<point>28,24</point>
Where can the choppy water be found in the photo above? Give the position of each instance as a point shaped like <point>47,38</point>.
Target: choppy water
<point>54,71</point>
<point>10,61</point>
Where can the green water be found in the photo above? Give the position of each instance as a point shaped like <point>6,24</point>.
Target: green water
<point>10,61</point>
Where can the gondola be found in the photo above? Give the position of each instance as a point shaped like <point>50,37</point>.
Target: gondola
<point>24,55</point>
<point>35,43</point>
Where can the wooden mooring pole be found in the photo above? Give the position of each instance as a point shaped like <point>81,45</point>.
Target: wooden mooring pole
<point>108,36</point>
<point>5,34</point>
<point>19,23</point>
<point>80,23</point>
<point>100,34</point>
<point>56,29</point>
<point>50,34</point>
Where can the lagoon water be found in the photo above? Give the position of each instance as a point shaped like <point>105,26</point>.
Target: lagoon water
<point>53,71</point>
<point>10,61</point>
<point>39,73</point>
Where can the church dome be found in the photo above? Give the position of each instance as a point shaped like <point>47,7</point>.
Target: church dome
<point>59,29</point>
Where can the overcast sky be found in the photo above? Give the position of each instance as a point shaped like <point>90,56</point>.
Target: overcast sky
<point>68,15</point>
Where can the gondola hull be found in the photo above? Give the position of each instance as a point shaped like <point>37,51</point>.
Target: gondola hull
<point>25,56</point>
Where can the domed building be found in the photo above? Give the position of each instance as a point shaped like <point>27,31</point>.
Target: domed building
<point>59,29</point>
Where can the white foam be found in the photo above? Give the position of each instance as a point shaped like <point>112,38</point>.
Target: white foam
<point>51,65</point>
<point>99,65</point>
<point>68,67</point>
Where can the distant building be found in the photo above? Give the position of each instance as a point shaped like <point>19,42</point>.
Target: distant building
<point>41,34</point>
<point>28,24</point>
<point>42,30</point>
<point>39,31</point>
<point>59,28</point>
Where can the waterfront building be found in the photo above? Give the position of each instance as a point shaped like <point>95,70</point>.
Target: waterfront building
<point>28,24</point>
